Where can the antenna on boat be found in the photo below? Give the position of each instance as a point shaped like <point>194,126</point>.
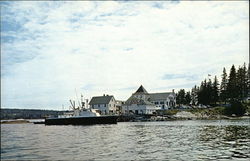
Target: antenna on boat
<point>87,103</point>
<point>78,99</point>
<point>72,104</point>
<point>83,103</point>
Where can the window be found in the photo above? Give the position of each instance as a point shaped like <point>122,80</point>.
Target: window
<point>98,105</point>
<point>161,102</point>
<point>156,103</point>
<point>104,105</point>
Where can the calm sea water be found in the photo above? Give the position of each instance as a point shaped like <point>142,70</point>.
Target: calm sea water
<point>172,140</point>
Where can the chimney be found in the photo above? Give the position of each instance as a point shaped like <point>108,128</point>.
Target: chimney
<point>103,94</point>
<point>172,90</point>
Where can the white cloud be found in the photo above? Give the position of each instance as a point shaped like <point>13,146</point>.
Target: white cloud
<point>104,47</point>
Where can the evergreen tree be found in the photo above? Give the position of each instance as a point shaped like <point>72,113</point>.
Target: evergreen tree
<point>180,99</point>
<point>202,94</point>
<point>209,92</point>
<point>205,92</point>
<point>232,84</point>
<point>194,95</point>
<point>187,98</point>
<point>223,86</point>
<point>248,82</point>
<point>241,82</point>
<point>215,91</point>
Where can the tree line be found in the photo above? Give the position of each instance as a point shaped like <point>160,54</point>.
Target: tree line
<point>233,87</point>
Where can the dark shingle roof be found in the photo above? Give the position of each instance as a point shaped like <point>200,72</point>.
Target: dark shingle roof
<point>134,100</point>
<point>159,96</point>
<point>148,97</point>
<point>141,89</point>
<point>100,100</point>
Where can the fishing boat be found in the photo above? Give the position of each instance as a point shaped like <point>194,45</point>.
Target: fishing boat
<point>82,115</point>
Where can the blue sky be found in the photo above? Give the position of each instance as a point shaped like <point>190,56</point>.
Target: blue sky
<point>49,49</point>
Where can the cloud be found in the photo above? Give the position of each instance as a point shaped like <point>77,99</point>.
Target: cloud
<point>180,76</point>
<point>50,48</point>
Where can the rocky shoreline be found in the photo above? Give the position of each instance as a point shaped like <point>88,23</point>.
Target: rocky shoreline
<point>182,115</point>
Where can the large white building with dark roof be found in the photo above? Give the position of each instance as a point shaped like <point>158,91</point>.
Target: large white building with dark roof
<point>142,102</point>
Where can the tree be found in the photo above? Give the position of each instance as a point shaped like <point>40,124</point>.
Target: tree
<point>236,108</point>
<point>248,82</point>
<point>241,82</point>
<point>202,94</point>
<point>209,92</point>
<point>215,91</point>
<point>194,95</point>
<point>180,98</point>
<point>188,98</point>
<point>223,86</point>
<point>232,84</point>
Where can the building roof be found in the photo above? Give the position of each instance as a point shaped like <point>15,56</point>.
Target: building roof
<point>160,96</point>
<point>148,97</point>
<point>100,100</point>
<point>138,101</point>
<point>141,89</point>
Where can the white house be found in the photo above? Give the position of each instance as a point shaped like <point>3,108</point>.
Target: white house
<point>164,100</point>
<point>142,102</point>
<point>105,104</point>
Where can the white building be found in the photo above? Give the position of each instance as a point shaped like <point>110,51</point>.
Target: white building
<point>142,102</point>
<point>104,104</point>
<point>164,100</point>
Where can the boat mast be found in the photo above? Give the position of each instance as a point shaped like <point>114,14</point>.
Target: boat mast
<point>87,103</point>
<point>78,100</point>
<point>83,103</point>
<point>72,104</point>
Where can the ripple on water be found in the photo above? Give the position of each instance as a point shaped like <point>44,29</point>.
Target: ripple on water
<point>173,140</point>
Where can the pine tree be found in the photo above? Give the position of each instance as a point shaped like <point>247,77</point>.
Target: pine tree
<point>215,91</point>
<point>209,92</point>
<point>245,80</point>
<point>187,98</point>
<point>232,84</point>
<point>223,86</point>
<point>241,82</point>
<point>248,82</point>
<point>202,94</point>
<point>194,95</point>
<point>180,99</point>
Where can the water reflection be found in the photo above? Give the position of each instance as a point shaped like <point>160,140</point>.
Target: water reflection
<point>172,140</point>
<point>231,141</point>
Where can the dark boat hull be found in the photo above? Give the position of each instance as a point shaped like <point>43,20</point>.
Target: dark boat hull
<point>82,120</point>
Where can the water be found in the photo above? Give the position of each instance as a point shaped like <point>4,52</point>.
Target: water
<point>172,140</point>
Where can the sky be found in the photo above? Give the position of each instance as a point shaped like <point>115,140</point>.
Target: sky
<point>53,51</point>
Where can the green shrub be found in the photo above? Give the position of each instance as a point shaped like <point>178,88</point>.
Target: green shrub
<point>171,112</point>
<point>236,108</point>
